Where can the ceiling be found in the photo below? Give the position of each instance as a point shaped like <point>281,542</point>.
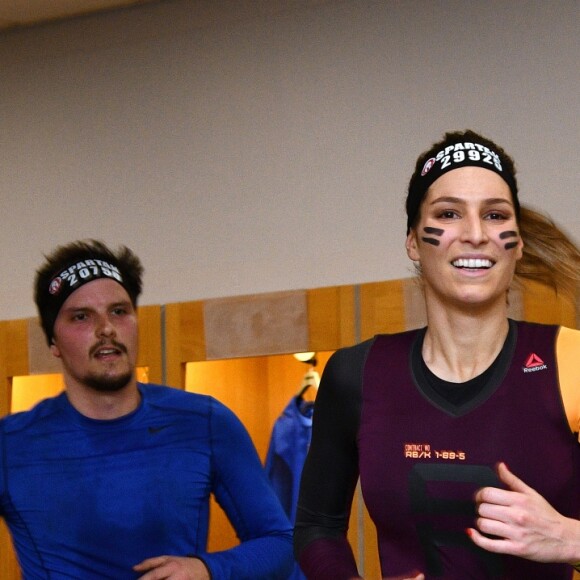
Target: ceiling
<point>18,13</point>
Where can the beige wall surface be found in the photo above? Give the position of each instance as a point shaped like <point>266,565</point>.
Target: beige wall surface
<point>244,150</point>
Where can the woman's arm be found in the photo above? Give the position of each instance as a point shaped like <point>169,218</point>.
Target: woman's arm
<point>331,471</point>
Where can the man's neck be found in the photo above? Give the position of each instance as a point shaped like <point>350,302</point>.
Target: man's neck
<point>104,405</point>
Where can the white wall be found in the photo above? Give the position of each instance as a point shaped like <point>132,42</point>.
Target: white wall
<point>242,154</point>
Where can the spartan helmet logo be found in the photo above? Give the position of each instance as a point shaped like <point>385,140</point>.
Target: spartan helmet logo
<point>55,286</point>
<point>428,165</point>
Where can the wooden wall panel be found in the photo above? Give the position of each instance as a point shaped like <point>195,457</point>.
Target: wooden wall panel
<point>264,324</point>
<point>331,318</point>
<point>382,308</point>
<point>542,304</point>
<point>15,340</point>
<point>9,568</point>
<point>328,324</point>
<point>184,339</point>
<point>13,357</point>
<point>150,341</point>
<point>40,359</point>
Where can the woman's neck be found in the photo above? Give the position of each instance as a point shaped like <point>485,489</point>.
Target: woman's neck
<point>462,343</point>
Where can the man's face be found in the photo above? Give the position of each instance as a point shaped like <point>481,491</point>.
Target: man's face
<point>95,336</point>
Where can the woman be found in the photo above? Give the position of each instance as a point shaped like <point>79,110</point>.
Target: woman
<point>431,419</point>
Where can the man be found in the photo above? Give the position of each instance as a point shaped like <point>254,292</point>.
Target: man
<point>112,478</point>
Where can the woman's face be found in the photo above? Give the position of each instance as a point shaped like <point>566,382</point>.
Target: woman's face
<point>466,240</point>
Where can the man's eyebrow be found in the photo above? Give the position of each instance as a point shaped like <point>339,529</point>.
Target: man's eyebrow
<point>88,308</point>
<point>120,303</point>
<point>75,308</point>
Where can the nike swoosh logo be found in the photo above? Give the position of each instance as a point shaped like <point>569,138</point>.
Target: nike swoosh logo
<point>154,430</point>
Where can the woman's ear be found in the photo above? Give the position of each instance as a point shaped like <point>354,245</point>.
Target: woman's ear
<point>520,249</point>
<point>411,246</point>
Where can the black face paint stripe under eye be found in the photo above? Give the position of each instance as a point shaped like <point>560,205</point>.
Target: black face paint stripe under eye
<point>509,234</point>
<point>434,231</point>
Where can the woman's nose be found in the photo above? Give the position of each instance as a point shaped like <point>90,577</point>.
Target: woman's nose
<point>474,231</point>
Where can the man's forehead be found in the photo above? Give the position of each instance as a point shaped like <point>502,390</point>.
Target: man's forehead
<point>103,291</point>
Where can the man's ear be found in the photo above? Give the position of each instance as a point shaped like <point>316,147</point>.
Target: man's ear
<point>411,246</point>
<point>54,349</point>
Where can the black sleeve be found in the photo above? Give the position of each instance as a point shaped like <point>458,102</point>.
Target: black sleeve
<point>331,470</point>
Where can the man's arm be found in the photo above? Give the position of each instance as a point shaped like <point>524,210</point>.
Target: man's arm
<point>242,489</point>
<point>239,483</point>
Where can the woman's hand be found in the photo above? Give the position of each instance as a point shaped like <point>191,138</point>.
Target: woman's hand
<point>523,523</point>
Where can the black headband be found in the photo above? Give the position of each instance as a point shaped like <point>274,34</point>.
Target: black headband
<point>71,278</point>
<point>452,157</point>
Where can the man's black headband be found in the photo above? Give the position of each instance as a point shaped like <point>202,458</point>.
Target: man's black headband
<point>71,278</point>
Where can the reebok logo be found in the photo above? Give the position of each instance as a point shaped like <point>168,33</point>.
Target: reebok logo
<point>533,364</point>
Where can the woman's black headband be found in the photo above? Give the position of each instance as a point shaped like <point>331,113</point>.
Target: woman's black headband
<point>452,157</point>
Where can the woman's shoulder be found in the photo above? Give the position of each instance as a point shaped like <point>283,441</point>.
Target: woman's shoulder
<point>351,354</point>
<point>354,356</point>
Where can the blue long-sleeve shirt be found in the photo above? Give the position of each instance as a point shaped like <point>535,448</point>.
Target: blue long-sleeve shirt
<point>89,499</point>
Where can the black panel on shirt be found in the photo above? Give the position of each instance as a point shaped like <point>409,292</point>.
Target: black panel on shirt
<point>459,398</point>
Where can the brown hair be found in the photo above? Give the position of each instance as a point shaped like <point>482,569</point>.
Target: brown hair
<point>550,256</point>
<point>48,305</point>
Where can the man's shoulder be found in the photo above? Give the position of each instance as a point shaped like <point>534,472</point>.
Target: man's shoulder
<point>175,398</point>
<point>24,419</point>
<point>178,402</point>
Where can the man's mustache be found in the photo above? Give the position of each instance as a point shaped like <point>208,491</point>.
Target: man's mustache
<point>108,343</point>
